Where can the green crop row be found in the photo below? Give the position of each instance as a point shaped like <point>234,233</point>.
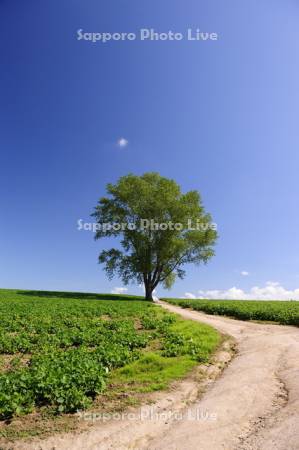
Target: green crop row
<point>283,312</point>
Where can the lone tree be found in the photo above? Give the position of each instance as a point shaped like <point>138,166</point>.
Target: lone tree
<point>160,230</point>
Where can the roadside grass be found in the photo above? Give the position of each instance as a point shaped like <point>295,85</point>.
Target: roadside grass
<point>60,354</point>
<point>151,372</point>
<point>186,344</point>
<point>282,312</point>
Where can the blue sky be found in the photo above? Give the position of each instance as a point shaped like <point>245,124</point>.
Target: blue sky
<point>220,117</point>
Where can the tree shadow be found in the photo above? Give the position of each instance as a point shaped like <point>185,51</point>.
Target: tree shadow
<point>79,295</point>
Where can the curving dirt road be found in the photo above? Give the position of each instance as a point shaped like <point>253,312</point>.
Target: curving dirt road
<point>257,397</point>
<point>253,405</point>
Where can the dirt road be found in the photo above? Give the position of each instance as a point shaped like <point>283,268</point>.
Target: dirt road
<point>253,405</point>
<point>257,397</point>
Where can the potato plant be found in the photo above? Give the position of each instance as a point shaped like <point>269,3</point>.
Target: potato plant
<point>59,351</point>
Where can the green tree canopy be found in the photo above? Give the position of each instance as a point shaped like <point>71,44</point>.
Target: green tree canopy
<point>160,229</point>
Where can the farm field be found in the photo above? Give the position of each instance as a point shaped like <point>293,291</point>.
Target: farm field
<point>282,312</point>
<point>63,352</point>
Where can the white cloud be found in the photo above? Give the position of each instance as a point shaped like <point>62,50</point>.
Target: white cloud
<point>119,290</point>
<point>141,286</point>
<point>122,142</point>
<point>189,295</point>
<point>244,273</point>
<point>271,291</point>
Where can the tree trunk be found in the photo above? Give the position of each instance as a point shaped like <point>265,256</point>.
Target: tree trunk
<point>148,292</point>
